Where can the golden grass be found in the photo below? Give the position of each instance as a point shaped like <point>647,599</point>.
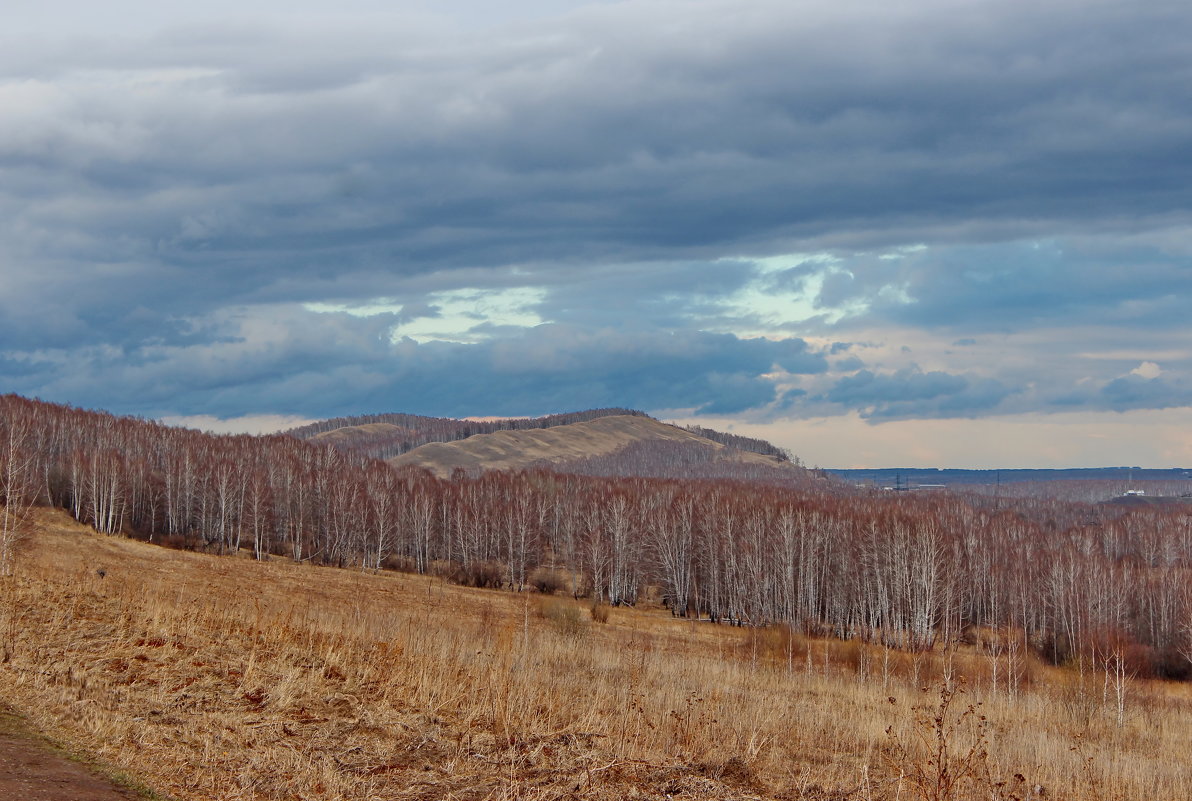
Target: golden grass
<point>521,449</point>
<point>223,678</point>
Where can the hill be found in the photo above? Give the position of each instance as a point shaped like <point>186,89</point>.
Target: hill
<point>203,677</point>
<point>387,436</point>
<point>381,692</point>
<point>620,445</point>
<point>383,436</point>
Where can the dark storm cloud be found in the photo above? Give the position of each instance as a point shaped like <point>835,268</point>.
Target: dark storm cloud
<point>555,367</point>
<point>911,393</point>
<point>334,363</point>
<point>626,159</point>
<point>608,134</point>
<point>1023,285</point>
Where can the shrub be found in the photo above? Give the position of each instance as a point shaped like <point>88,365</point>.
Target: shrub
<point>777,643</point>
<point>600,612</point>
<point>484,574</point>
<point>399,564</point>
<point>564,617</point>
<point>478,574</point>
<point>548,580</point>
<point>178,542</point>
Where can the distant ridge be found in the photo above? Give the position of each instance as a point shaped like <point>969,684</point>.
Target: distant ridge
<point>384,436</point>
<point>950,475</point>
<point>742,443</point>
<point>611,442</point>
<point>1129,487</point>
<point>614,445</point>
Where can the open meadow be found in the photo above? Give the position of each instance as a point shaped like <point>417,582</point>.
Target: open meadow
<point>226,678</point>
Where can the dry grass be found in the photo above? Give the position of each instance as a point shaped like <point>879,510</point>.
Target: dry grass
<point>521,449</point>
<point>221,678</point>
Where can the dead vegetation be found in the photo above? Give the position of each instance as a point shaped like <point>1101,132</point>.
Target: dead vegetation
<point>226,678</point>
<point>578,444</point>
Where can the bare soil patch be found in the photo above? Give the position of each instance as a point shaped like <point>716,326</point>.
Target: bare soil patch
<point>31,769</point>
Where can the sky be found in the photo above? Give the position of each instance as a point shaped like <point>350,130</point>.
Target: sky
<point>931,233</point>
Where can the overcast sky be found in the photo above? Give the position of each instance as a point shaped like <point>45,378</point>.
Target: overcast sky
<point>928,233</point>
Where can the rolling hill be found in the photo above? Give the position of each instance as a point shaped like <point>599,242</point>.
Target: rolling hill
<point>609,442</point>
<point>615,445</point>
<point>383,436</point>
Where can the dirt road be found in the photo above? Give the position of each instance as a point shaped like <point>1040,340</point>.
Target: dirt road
<point>30,770</point>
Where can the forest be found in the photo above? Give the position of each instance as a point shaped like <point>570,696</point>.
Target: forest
<point>1097,584</point>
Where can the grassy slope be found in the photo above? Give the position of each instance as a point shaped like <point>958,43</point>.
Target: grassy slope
<point>356,434</point>
<point>511,450</point>
<point>221,678</point>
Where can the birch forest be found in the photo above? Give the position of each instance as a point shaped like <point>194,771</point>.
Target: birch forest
<point>1070,581</point>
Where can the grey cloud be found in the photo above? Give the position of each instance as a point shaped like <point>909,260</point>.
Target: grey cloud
<point>354,149</point>
<point>867,387</point>
<point>167,199</point>
<point>288,361</point>
<point>1135,392</point>
<point>1006,287</point>
<point>911,393</point>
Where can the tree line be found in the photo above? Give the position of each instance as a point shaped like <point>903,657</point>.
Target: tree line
<point>1071,580</point>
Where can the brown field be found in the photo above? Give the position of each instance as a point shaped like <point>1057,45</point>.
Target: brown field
<point>222,678</point>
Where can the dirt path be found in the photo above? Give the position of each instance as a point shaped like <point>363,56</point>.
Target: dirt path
<point>31,770</point>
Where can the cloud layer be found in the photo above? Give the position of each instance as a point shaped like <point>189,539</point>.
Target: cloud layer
<point>774,211</point>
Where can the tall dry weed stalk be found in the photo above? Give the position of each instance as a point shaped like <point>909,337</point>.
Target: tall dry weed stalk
<point>945,754</point>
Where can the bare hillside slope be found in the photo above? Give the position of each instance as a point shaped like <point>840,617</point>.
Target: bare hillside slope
<point>576,444</point>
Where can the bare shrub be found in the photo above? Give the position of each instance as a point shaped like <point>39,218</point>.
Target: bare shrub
<point>178,542</point>
<point>398,564</point>
<point>485,575</point>
<point>548,580</point>
<point>600,612</point>
<point>564,617</point>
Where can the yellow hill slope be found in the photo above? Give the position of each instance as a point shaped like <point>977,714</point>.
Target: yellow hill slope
<point>514,450</point>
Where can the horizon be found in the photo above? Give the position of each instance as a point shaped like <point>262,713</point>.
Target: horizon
<point>926,234</point>
<point>253,426</point>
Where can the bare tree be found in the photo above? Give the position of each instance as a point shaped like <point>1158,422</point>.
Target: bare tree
<point>15,490</point>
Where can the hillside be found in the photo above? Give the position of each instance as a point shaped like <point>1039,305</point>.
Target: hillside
<point>363,434</point>
<point>208,678</point>
<point>616,445</point>
<point>383,436</point>
<point>757,552</point>
<point>617,449</point>
<point>279,675</point>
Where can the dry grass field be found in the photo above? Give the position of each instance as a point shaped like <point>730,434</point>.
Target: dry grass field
<point>223,678</point>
